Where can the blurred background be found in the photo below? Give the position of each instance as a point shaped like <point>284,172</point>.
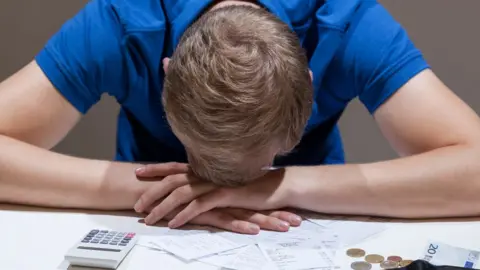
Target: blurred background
<point>445,31</point>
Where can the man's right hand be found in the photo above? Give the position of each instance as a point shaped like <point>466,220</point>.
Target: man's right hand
<point>173,176</point>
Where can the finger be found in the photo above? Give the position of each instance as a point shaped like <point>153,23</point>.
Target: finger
<point>223,220</point>
<point>265,222</point>
<point>160,190</point>
<point>217,198</point>
<point>162,169</point>
<point>170,215</point>
<point>291,218</point>
<point>179,196</point>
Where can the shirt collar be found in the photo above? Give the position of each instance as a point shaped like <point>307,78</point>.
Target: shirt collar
<point>182,13</point>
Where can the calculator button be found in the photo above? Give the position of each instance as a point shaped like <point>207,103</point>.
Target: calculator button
<point>94,231</point>
<point>122,244</point>
<point>113,243</point>
<point>85,241</point>
<point>104,231</point>
<point>131,235</point>
<point>94,241</point>
<point>104,242</point>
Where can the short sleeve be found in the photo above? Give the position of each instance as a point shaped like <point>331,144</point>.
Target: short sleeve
<point>83,60</point>
<point>376,59</point>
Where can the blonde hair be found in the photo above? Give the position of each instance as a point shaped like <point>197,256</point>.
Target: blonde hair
<point>237,89</point>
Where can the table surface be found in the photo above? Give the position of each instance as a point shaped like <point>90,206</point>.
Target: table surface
<point>37,238</point>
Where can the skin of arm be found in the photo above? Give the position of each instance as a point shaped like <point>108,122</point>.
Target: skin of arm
<point>437,174</point>
<point>34,118</point>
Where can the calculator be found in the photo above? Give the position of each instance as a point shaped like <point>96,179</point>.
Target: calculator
<point>101,249</point>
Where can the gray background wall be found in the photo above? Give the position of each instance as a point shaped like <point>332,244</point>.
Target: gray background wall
<point>445,31</point>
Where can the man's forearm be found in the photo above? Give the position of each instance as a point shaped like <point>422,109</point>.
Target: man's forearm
<point>442,183</point>
<point>34,176</point>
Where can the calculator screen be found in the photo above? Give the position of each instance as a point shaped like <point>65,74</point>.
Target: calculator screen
<point>99,249</point>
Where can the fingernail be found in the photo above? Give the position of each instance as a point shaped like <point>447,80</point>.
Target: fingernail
<point>253,228</point>
<point>140,170</point>
<point>283,225</point>
<point>148,220</point>
<point>296,220</point>
<point>138,207</point>
<point>172,224</point>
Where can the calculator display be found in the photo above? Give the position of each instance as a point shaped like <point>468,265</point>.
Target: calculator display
<point>100,249</point>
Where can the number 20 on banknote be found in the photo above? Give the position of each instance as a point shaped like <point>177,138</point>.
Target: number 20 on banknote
<point>442,254</point>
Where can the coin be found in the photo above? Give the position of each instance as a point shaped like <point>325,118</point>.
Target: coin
<point>374,258</point>
<point>388,264</point>
<point>394,258</point>
<point>405,263</point>
<point>356,252</point>
<point>361,266</point>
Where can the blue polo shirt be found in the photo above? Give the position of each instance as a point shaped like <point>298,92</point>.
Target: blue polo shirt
<point>116,47</point>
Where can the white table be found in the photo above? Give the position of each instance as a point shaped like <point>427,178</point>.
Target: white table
<point>36,238</point>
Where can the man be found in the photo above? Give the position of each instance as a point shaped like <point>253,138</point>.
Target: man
<point>231,88</point>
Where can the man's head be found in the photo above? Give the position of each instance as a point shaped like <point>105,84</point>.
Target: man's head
<point>237,93</point>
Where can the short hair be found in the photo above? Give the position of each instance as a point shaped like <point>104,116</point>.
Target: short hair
<point>236,90</point>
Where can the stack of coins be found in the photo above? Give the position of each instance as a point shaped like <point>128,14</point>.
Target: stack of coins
<point>391,262</point>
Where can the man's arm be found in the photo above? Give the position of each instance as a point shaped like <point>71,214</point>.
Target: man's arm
<point>34,118</point>
<point>438,136</point>
<point>435,133</point>
<point>438,176</point>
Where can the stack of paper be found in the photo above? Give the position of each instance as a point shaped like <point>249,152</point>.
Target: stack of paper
<point>313,245</point>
